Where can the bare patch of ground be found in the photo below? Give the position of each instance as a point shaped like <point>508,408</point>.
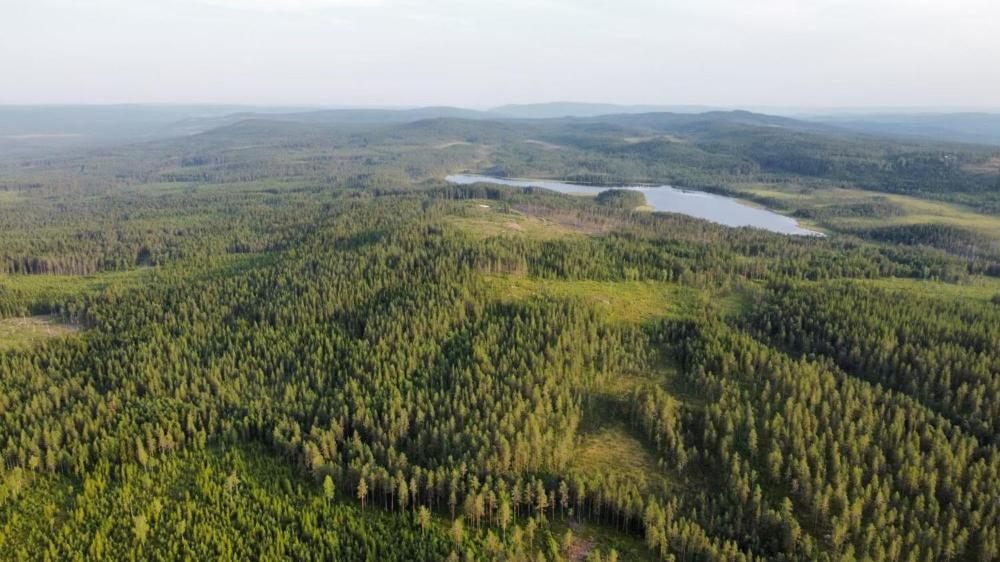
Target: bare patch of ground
<point>580,547</point>
<point>445,145</point>
<point>544,144</point>
<point>636,140</point>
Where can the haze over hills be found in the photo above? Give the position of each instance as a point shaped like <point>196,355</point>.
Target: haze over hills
<point>579,109</point>
<point>977,127</point>
<point>33,129</point>
<point>26,128</point>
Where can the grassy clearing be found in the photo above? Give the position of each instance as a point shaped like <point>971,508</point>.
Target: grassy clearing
<point>20,333</point>
<point>609,445</point>
<point>614,449</point>
<point>920,211</point>
<point>486,219</point>
<point>979,289</point>
<point>916,211</point>
<point>446,145</point>
<point>625,301</point>
<point>621,301</point>
<point>51,287</point>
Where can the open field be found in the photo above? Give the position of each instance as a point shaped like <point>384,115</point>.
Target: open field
<point>19,333</point>
<point>486,218</point>
<point>48,287</point>
<point>624,301</point>
<point>608,444</point>
<point>494,222</point>
<point>914,210</point>
<point>613,449</point>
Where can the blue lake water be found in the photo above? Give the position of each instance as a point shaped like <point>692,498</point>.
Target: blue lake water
<point>716,208</point>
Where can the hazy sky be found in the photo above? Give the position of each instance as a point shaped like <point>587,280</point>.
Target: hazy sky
<point>480,53</point>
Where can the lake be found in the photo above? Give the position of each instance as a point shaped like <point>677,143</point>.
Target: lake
<point>716,208</point>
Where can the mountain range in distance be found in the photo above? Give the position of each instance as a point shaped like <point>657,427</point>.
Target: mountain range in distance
<point>25,128</point>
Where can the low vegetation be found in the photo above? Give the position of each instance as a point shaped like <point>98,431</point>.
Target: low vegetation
<point>19,333</point>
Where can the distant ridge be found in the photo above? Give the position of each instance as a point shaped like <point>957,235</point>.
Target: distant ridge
<point>978,127</point>
<point>550,110</point>
<point>31,129</point>
<point>384,115</point>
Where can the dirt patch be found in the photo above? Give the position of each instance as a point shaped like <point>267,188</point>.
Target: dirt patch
<point>580,547</point>
<point>569,220</point>
<point>513,226</point>
<point>544,144</point>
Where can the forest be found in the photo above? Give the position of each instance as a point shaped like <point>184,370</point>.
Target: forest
<point>289,338</point>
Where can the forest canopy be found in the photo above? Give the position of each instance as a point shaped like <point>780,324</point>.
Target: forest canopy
<point>621,198</point>
<point>295,340</point>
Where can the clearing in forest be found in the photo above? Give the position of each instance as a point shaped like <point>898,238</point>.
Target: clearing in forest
<point>911,210</point>
<point>492,220</point>
<point>613,449</point>
<point>19,333</point>
<point>625,301</point>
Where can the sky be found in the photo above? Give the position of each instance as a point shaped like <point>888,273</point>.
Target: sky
<point>482,53</point>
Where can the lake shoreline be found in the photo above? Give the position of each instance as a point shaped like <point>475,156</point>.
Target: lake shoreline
<point>707,205</point>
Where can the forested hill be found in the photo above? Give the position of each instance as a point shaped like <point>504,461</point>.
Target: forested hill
<point>280,340</point>
<point>715,150</point>
<point>870,187</point>
<point>977,127</point>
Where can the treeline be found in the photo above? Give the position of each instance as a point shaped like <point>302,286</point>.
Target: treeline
<point>121,232</point>
<point>963,242</point>
<point>233,505</point>
<point>942,352</point>
<point>843,468</point>
<point>878,207</point>
<point>621,199</point>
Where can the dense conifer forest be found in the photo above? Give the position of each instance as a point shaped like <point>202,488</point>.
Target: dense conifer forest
<point>290,339</point>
